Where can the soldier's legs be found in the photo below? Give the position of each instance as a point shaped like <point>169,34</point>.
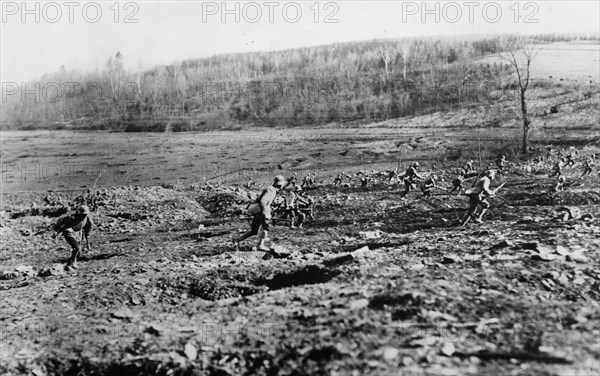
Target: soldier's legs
<point>473,203</point>
<point>254,227</point>
<point>301,218</point>
<point>485,205</point>
<point>72,240</point>
<point>407,188</point>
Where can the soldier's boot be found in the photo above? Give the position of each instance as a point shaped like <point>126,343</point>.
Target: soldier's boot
<point>479,218</point>
<point>262,241</point>
<point>73,260</point>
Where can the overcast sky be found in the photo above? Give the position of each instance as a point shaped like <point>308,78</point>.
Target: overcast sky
<point>161,32</point>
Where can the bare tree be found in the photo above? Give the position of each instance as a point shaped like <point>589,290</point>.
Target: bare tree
<point>385,56</point>
<point>520,56</point>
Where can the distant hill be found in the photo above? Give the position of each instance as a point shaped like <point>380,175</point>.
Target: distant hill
<point>344,82</point>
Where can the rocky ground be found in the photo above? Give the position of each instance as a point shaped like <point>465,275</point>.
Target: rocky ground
<point>373,286</point>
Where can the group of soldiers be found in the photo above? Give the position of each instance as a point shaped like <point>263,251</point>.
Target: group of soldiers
<point>294,207</point>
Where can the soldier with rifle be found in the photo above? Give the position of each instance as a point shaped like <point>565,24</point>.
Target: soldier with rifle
<point>260,209</point>
<point>428,185</point>
<point>477,197</point>
<point>410,178</point>
<point>69,225</point>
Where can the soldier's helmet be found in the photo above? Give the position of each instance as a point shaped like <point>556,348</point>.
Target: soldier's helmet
<point>561,179</point>
<point>83,209</point>
<point>416,164</point>
<point>279,181</point>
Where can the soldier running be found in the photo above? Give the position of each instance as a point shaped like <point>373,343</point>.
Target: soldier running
<point>410,178</point>
<point>261,212</point>
<point>557,169</point>
<point>477,197</point>
<point>570,160</point>
<point>587,168</point>
<point>69,225</point>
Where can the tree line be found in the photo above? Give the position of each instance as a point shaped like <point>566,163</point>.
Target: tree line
<point>359,81</point>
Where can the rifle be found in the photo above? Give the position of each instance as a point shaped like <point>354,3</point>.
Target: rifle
<point>45,229</point>
<point>273,219</point>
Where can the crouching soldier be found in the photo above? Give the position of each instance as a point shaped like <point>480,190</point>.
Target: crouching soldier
<point>70,225</point>
<point>457,183</point>
<point>410,178</point>
<point>260,209</point>
<point>477,197</point>
<point>501,162</point>
<point>428,185</point>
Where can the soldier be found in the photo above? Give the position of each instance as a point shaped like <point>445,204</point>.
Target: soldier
<point>309,180</point>
<point>293,208</point>
<point>587,168</point>
<point>477,197</point>
<point>557,169</point>
<point>570,160</point>
<point>560,183</point>
<point>304,205</point>
<point>67,226</point>
<point>292,180</point>
<point>501,162</point>
<point>392,174</point>
<point>428,185</point>
<point>410,178</point>
<point>290,204</point>
<point>338,179</point>
<point>261,212</point>
<point>457,183</point>
<point>469,167</point>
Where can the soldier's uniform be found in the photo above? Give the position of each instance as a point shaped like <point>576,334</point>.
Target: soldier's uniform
<point>427,186</point>
<point>338,179</point>
<point>469,167</point>
<point>457,183</point>
<point>570,161</point>
<point>410,178</point>
<point>501,162</point>
<point>477,197</point>
<point>587,168</point>
<point>70,226</point>
<point>560,183</point>
<point>261,211</point>
<point>557,169</point>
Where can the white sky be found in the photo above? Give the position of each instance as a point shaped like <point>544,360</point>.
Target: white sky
<point>169,31</point>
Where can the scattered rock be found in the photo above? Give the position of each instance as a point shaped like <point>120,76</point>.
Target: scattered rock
<point>359,303</point>
<point>55,269</point>
<point>123,313</point>
<point>448,349</point>
<point>390,353</point>
<point>190,351</point>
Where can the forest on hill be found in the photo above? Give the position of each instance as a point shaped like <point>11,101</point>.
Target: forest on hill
<point>349,82</point>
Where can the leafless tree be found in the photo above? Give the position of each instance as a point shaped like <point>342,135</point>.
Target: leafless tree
<point>520,55</point>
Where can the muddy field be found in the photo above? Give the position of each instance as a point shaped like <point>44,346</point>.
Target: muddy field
<point>373,286</point>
